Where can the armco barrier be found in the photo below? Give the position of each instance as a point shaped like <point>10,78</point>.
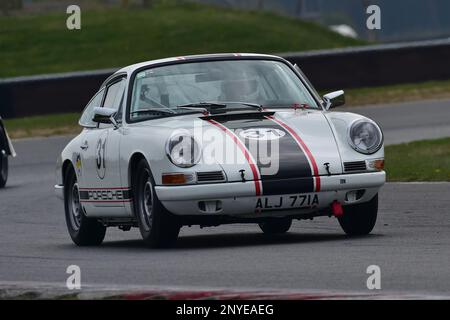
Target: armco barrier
<point>327,69</point>
<point>376,65</point>
<point>60,93</point>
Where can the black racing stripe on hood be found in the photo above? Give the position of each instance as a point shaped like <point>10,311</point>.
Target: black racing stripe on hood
<point>294,174</point>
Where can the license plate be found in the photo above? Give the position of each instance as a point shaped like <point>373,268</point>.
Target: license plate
<point>287,202</point>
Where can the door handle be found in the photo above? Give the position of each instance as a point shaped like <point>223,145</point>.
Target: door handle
<point>84,146</point>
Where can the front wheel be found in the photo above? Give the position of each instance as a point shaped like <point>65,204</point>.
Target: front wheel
<point>84,231</point>
<point>157,226</point>
<point>276,226</point>
<point>360,219</point>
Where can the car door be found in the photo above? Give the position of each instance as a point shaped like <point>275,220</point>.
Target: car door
<point>102,186</point>
<point>80,153</point>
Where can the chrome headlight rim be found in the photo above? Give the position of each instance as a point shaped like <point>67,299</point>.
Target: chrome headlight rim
<point>355,147</point>
<point>196,158</point>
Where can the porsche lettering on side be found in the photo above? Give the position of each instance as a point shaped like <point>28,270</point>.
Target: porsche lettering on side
<point>214,139</point>
<point>6,150</point>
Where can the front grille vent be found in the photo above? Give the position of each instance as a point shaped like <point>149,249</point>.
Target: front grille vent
<point>355,166</point>
<point>211,176</point>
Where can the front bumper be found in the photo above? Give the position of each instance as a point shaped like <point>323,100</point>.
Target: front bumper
<point>59,191</point>
<point>238,198</point>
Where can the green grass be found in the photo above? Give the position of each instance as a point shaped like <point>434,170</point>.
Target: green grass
<point>118,37</point>
<point>398,93</point>
<point>43,126</point>
<point>419,161</point>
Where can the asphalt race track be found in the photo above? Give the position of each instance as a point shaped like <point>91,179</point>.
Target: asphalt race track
<point>411,242</point>
<point>405,122</point>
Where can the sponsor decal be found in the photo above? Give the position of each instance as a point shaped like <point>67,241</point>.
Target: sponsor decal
<point>105,195</point>
<point>78,164</point>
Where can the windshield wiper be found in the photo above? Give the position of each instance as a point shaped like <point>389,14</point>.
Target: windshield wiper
<point>248,104</point>
<point>202,105</point>
<point>218,105</point>
<point>164,111</point>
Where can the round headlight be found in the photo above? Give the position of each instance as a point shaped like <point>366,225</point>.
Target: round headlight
<point>365,136</point>
<point>183,150</point>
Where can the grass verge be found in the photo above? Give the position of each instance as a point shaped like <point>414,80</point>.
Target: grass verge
<point>427,160</point>
<point>398,93</point>
<point>43,126</point>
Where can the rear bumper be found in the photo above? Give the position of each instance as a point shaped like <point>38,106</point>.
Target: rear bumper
<point>238,198</point>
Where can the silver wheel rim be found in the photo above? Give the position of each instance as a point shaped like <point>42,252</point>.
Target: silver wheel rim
<point>147,205</point>
<point>75,207</point>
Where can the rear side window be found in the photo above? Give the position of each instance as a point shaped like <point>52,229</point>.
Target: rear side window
<point>88,113</point>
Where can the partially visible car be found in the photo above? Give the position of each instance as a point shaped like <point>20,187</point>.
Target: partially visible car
<point>6,150</point>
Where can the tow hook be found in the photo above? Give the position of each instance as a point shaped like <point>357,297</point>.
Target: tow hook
<point>337,209</point>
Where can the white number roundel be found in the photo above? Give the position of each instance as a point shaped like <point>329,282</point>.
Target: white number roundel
<point>262,134</point>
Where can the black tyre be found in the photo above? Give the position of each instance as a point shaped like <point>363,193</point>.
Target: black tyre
<point>3,159</point>
<point>360,219</point>
<point>276,226</point>
<point>158,226</point>
<point>84,231</point>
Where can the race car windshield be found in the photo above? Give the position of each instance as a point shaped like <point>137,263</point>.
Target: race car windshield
<point>271,84</point>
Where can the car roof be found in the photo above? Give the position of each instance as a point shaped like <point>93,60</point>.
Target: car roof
<point>130,69</point>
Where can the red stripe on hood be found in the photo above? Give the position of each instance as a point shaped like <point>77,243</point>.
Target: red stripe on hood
<point>253,166</point>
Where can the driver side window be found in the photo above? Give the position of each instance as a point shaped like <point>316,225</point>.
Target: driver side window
<point>88,113</point>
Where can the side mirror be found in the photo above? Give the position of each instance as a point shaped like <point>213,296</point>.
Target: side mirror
<point>105,115</point>
<point>334,99</point>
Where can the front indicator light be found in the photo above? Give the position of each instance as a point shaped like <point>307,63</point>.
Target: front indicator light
<point>376,164</point>
<point>177,178</point>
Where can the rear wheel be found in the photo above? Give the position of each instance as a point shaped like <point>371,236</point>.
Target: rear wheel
<point>360,219</point>
<point>158,226</point>
<point>276,226</point>
<point>84,231</point>
<point>3,159</point>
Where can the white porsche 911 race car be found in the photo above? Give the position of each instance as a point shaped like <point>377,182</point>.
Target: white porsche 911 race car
<point>214,139</point>
<point>6,150</point>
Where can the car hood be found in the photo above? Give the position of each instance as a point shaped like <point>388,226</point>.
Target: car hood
<point>289,144</point>
<point>283,144</point>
